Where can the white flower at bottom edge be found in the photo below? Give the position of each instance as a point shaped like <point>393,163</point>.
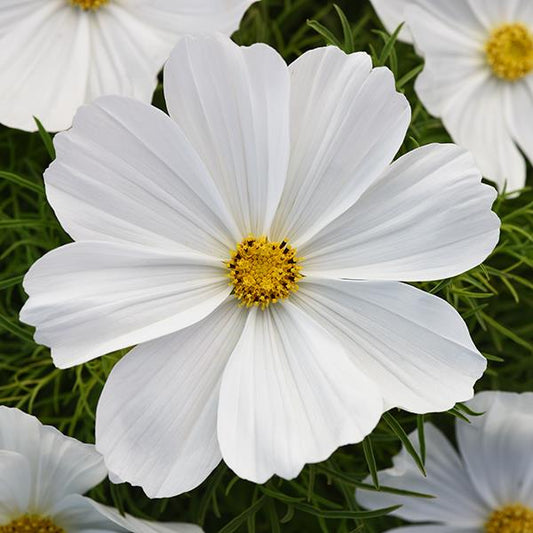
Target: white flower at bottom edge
<point>56,55</point>
<point>264,174</point>
<point>478,76</point>
<point>43,475</point>
<point>485,488</point>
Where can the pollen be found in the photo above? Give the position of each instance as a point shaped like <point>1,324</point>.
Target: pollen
<point>510,51</point>
<point>89,5</point>
<point>263,272</point>
<point>31,524</point>
<point>515,518</point>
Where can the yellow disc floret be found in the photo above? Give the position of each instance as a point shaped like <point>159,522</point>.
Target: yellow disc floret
<point>263,272</point>
<point>510,51</point>
<point>515,518</point>
<point>89,4</point>
<point>31,524</point>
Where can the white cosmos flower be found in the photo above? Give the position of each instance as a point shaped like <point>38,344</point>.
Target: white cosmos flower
<point>478,75</point>
<point>485,487</point>
<point>266,178</point>
<point>43,475</point>
<point>56,55</point>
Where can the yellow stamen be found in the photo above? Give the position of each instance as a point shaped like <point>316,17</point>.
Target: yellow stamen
<point>263,272</point>
<point>515,518</point>
<point>89,4</point>
<point>510,51</point>
<point>31,524</point>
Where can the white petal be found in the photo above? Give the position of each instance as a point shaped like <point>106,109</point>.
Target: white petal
<point>391,14</point>
<point>414,345</point>
<point>438,88</point>
<point>126,53</point>
<point>451,39</point>
<point>233,105</point>
<point>524,12</point>
<point>156,420</point>
<point>192,16</point>
<point>520,112</point>
<point>90,298</point>
<point>290,396</point>
<point>455,23</point>
<point>77,514</point>
<point>492,13</point>
<point>347,122</point>
<point>455,499</point>
<point>58,465</point>
<point>427,217</point>
<point>132,40</point>
<point>496,447</point>
<point>15,10</point>
<point>15,484</point>
<point>459,87</point>
<point>44,62</point>
<point>136,525</point>
<point>126,172</point>
<point>477,120</point>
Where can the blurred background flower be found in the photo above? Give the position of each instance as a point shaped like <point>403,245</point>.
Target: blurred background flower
<point>44,474</point>
<point>478,76</point>
<point>486,486</point>
<point>56,55</point>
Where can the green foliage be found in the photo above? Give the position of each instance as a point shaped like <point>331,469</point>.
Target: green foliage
<point>495,300</point>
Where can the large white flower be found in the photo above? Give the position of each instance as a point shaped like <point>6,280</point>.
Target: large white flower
<point>485,488</point>
<point>43,475</point>
<point>56,55</point>
<point>266,179</point>
<point>478,75</point>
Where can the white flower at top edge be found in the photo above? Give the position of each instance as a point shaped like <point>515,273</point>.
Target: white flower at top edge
<point>43,476</point>
<point>56,55</point>
<point>485,487</point>
<point>478,75</point>
<point>249,245</point>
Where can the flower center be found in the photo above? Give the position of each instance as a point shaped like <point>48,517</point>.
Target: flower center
<point>31,524</point>
<point>263,272</point>
<point>510,51</point>
<point>89,4</point>
<point>514,518</point>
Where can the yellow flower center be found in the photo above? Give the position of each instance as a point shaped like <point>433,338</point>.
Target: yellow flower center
<point>514,518</point>
<point>31,524</point>
<point>263,272</point>
<point>510,51</point>
<point>89,4</point>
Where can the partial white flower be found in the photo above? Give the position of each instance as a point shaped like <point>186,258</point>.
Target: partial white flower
<point>478,76</point>
<point>56,55</point>
<point>484,487</point>
<point>194,233</point>
<point>43,475</point>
